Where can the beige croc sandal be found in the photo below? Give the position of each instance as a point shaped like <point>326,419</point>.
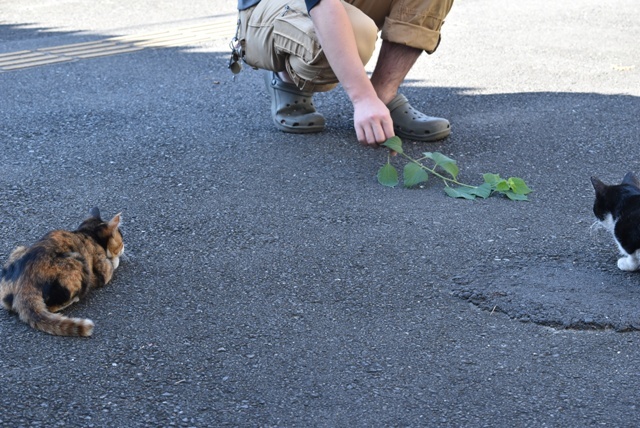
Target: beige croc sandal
<point>292,110</point>
<point>411,124</point>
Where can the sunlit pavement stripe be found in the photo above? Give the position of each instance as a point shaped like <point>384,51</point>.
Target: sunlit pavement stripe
<point>52,60</point>
<point>21,57</point>
<point>4,55</point>
<point>79,47</point>
<point>185,36</point>
<point>120,50</point>
<point>110,47</point>
<point>64,48</point>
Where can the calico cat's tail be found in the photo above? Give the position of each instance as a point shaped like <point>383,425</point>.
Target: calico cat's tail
<point>34,312</point>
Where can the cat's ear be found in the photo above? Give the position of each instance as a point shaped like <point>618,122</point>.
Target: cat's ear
<point>114,223</point>
<point>95,212</point>
<point>630,178</point>
<point>598,185</point>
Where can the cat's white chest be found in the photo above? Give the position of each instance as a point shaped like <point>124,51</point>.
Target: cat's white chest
<point>609,223</point>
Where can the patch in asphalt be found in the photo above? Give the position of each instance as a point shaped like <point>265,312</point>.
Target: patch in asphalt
<point>558,294</point>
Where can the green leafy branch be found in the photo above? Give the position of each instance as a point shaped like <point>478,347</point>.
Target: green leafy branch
<point>446,169</point>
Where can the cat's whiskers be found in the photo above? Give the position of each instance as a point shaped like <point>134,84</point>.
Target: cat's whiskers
<point>596,226</point>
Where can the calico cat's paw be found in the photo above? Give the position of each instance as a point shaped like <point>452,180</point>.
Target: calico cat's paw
<point>628,263</point>
<point>115,261</point>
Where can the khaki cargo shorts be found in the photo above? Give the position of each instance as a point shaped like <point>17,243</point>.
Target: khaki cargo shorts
<point>279,35</point>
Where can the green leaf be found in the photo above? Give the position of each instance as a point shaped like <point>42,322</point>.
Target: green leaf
<point>394,143</point>
<point>387,175</point>
<point>518,186</point>
<point>502,186</point>
<point>413,174</point>
<point>459,192</point>
<point>516,196</point>
<point>491,179</point>
<point>444,162</point>
<point>484,190</point>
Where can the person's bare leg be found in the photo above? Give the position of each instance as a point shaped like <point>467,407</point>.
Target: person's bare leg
<point>394,63</point>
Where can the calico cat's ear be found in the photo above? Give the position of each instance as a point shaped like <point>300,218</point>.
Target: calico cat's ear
<point>630,178</point>
<point>598,185</point>
<point>95,212</point>
<point>114,223</point>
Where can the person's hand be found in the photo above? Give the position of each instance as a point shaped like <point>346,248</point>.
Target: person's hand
<point>372,122</point>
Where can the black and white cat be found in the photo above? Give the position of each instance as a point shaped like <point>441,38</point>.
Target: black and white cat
<point>617,208</point>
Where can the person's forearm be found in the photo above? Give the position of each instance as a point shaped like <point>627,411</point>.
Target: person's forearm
<point>371,119</point>
<point>337,39</point>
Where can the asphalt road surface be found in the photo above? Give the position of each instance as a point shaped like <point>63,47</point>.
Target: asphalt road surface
<point>269,279</point>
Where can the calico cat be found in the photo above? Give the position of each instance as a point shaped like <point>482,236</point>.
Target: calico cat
<point>58,270</point>
<point>617,208</point>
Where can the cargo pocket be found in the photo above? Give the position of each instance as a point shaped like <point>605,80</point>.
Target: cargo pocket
<point>294,34</point>
<point>256,37</point>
